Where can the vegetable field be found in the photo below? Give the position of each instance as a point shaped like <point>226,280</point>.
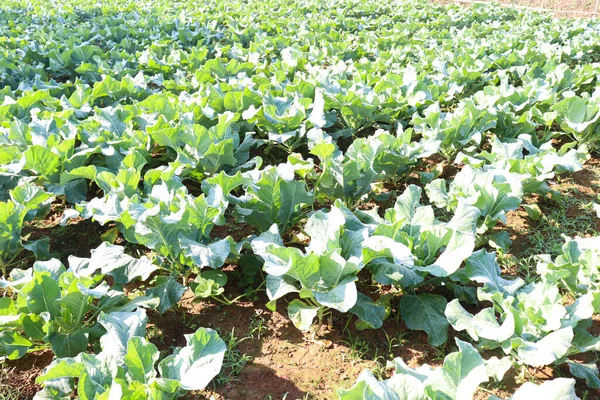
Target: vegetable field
<point>298,199</point>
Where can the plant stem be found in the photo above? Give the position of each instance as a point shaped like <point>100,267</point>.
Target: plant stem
<point>312,302</point>
<point>432,281</point>
<point>9,263</point>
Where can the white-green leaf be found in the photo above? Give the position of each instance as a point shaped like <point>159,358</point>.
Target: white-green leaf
<point>547,350</point>
<point>196,364</point>
<point>342,297</point>
<point>301,314</point>
<point>212,255</point>
<point>497,367</point>
<point>556,389</point>
<point>398,387</point>
<point>120,327</point>
<point>461,374</point>
<point>168,290</point>
<point>483,268</point>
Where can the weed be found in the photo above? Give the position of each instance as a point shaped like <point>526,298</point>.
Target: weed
<point>257,326</point>
<point>359,348</point>
<point>234,361</point>
<point>522,267</point>
<point>557,222</point>
<point>393,342</point>
<point>7,391</point>
<point>153,333</point>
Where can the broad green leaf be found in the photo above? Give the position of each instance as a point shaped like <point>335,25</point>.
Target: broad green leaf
<point>210,283</point>
<point>34,326</point>
<point>342,297</point>
<point>369,311</point>
<point>461,374</point>
<point>408,211</point>
<point>140,359</point>
<point>68,344</point>
<point>390,273</point>
<point>43,161</point>
<point>53,267</point>
<point>426,312</point>
<point>212,255</point>
<point>112,260</point>
<point>497,367</point>
<point>161,234</point>
<point>168,290</point>
<point>73,308</point>
<point>278,286</point>
<point>324,230</point>
<point>110,118</point>
<point>293,195</point>
<point>317,115</point>
<point>487,326</point>
<point>43,296</point>
<point>164,389</point>
<point>533,211</point>
<point>556,389</point>
<point>398,387</point>
<point>65,368</point>
<point>40,248</point>
<point>375,247</point>
<point>217,156</point>
<point>12,345</point>
<point>589,372</point>
<point>460,319</point>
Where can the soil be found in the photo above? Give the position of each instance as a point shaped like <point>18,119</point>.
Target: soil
<point>570,8</point>
<point>21,373</point>
<point>76,238</point>
<point>238,234</point>
<point>285,361</point>
<point>583,186</point>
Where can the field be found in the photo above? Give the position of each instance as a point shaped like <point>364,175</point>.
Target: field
<point>573,8</point>
<point>298,200</point>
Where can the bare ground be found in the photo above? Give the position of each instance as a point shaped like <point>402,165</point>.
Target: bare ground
<point>583,6</point>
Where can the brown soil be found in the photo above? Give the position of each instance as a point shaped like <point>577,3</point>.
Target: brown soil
<point>21,373</point>
<point>233,229</point>
<point>583,186</point>
<point>76,238</point>
<point>284,360</point>
<point>578,7</point>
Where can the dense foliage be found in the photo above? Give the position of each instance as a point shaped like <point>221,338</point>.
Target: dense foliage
<point>380,140</point>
